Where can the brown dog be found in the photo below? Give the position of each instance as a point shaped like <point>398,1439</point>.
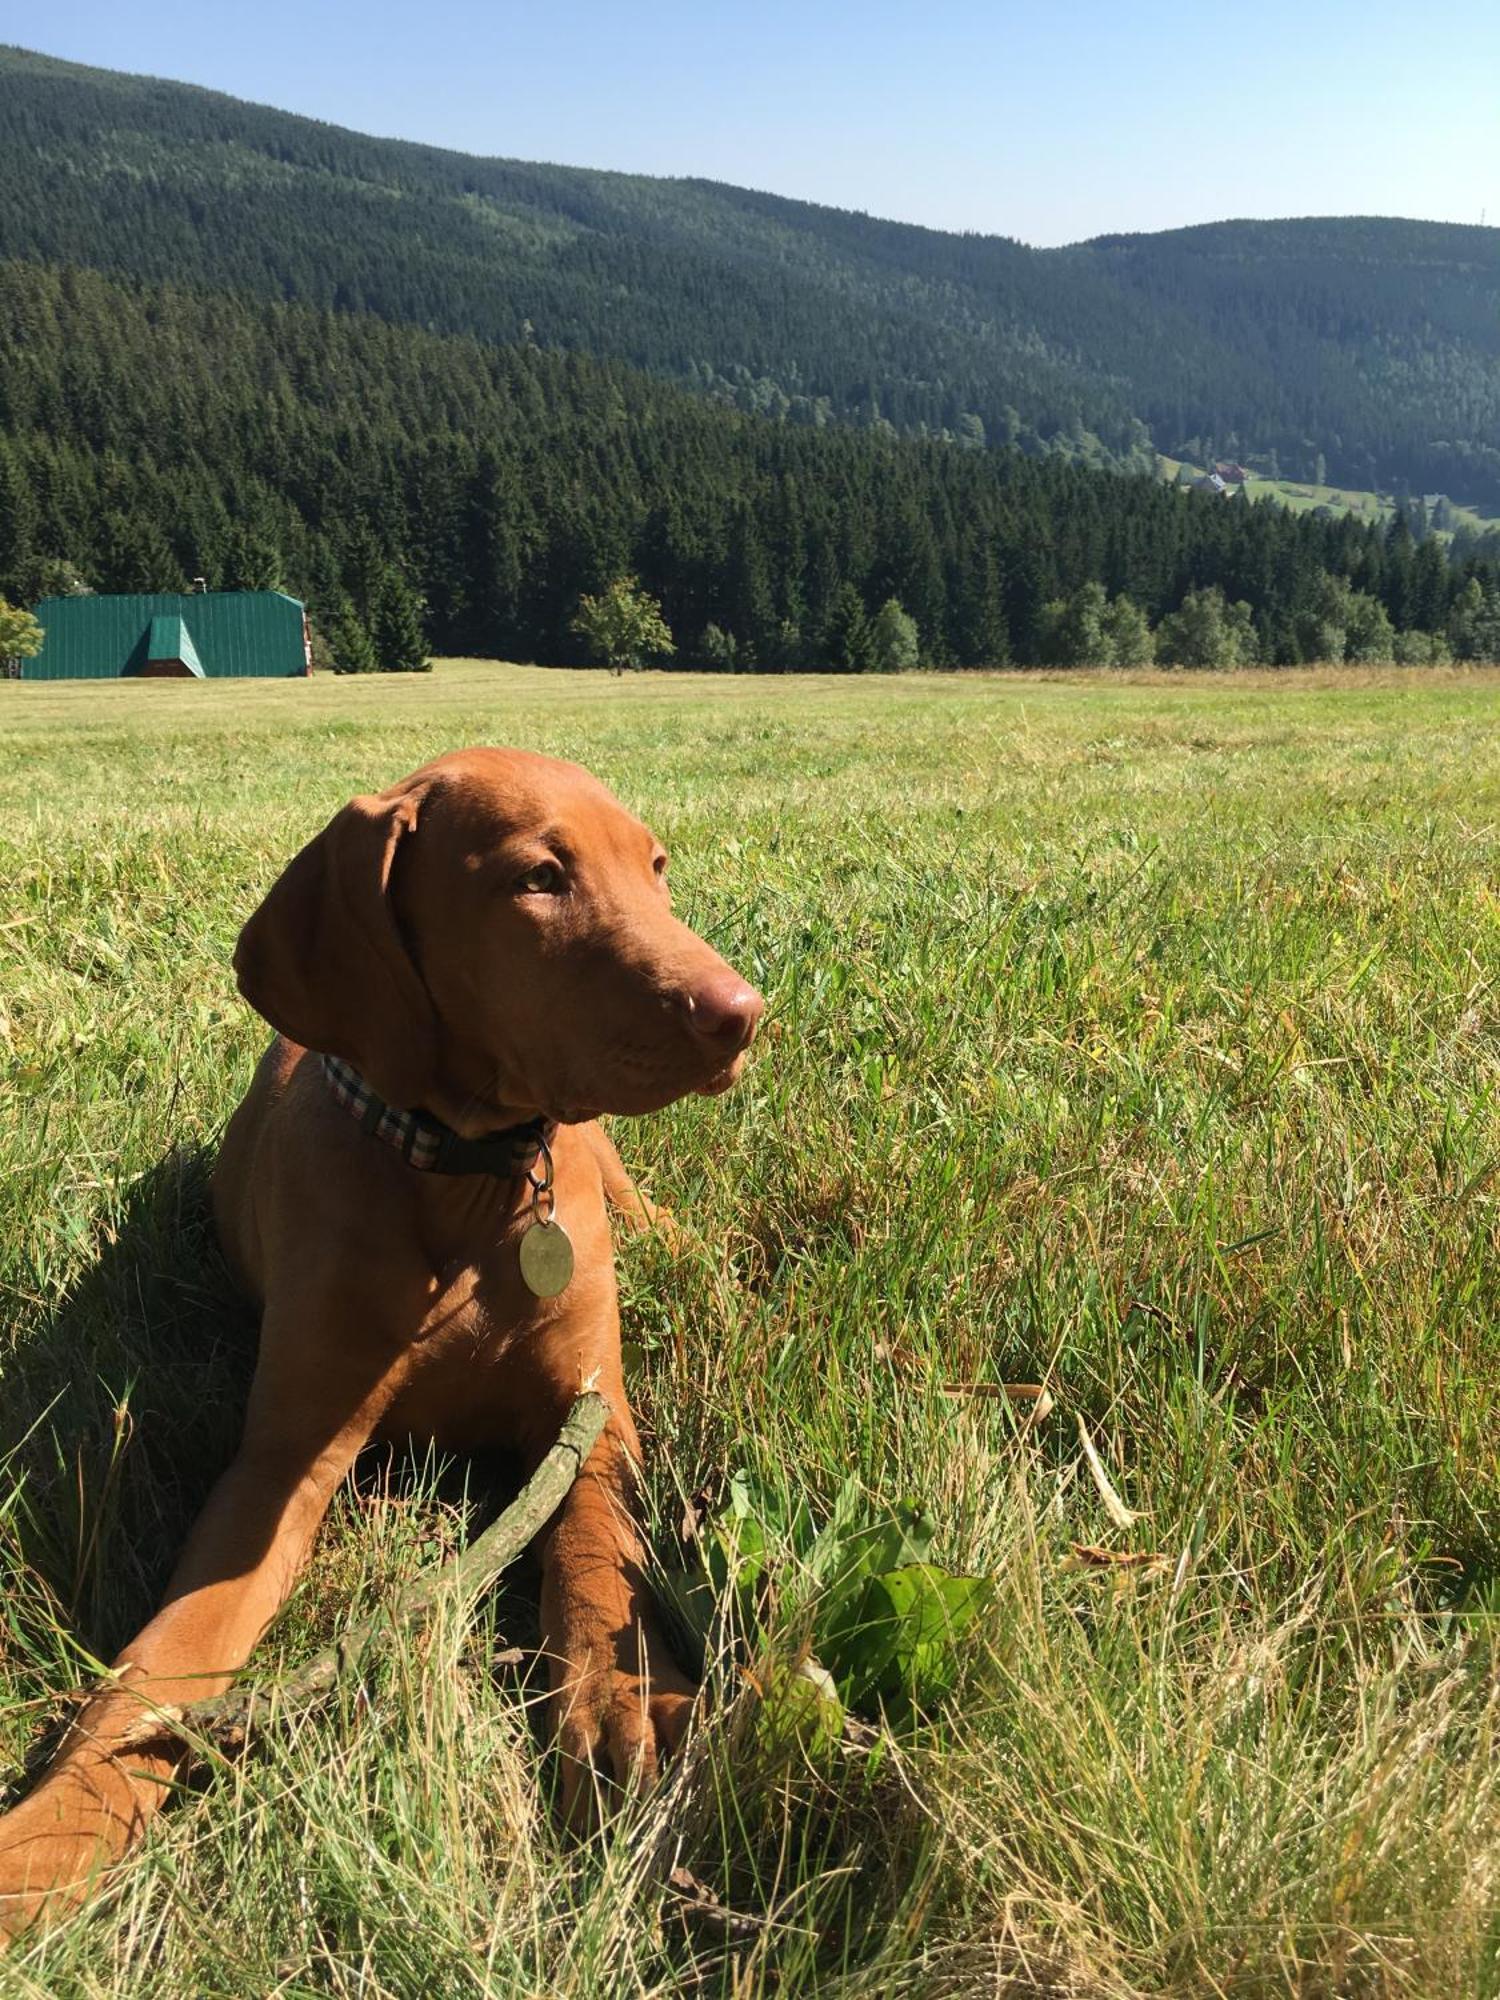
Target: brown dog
<point>491,942</point>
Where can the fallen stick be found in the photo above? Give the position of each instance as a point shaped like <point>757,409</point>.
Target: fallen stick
<point>224,1720</point>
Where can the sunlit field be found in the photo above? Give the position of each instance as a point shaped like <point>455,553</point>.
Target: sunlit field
<point>1135,1037</point>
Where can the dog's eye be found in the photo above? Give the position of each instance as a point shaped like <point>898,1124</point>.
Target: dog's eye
<point>659,865</point>
<point>546,879</point>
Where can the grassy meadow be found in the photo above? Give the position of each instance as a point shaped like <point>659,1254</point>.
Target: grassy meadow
<point>1138,1036</point>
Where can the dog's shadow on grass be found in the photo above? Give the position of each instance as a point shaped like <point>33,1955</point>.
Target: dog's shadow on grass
<point>122,1405</point>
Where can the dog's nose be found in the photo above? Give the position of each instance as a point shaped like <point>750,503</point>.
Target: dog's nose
<point>723,1012</point>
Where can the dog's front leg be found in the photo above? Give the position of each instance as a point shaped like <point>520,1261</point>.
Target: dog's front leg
<point>301,1437</point>
<point>635,1213</point>
<point>619,1702</point>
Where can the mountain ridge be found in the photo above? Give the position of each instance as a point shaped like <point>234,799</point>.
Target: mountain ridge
<point>14,54</point>
<point>1288,342</point>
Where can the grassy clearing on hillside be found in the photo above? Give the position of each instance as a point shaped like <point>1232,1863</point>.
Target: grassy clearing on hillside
<point>1139,1034</point>
<point>1300,495</point>
<point>1303,495</point>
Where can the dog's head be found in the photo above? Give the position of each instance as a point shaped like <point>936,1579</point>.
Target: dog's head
<point>494,936</point>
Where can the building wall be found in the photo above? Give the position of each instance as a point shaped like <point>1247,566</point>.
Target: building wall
<point>238,634</point>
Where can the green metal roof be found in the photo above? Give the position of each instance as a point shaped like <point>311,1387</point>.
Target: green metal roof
<point>170,639</point>
<point>225,634</point>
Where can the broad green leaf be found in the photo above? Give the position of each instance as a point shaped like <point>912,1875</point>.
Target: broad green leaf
<point>847,1546</point>
<point>895,1640</point>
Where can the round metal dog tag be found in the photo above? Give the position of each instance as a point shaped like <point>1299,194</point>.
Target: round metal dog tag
<point>547,1258</point>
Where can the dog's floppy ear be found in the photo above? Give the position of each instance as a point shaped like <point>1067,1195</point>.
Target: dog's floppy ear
<point>324,961</point>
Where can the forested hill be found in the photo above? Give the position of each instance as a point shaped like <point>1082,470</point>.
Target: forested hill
<point>149,435</point>
<point>1376,341</point>
<point>1373,345</point>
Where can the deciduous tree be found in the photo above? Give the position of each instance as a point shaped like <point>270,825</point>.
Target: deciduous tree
<point>1128,638</point>
<point>895,645</point>
<point>1207,631</point>
<point>20,635</point>
<point>1073,628</point>
<point>623,626</point>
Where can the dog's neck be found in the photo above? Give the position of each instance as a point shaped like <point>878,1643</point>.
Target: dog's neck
<point>429,1145</point>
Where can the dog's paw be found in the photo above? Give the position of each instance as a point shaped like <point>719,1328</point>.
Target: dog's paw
<point>677,1236</point>
<point>614,1731</point>
<point>639,1216</point>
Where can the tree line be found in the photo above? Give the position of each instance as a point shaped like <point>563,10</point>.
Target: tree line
<point>422,491</point>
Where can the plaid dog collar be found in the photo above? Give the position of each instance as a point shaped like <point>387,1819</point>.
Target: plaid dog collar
<point>426,1143</point>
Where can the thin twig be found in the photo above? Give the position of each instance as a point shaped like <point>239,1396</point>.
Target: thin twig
<point>225,1719</point>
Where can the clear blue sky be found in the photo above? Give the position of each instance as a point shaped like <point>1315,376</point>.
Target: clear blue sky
<point>1048,122</point>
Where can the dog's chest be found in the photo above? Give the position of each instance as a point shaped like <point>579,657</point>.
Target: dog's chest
<point>463,1353</point>
<point>476,1312</point>
<point>486,1348</point>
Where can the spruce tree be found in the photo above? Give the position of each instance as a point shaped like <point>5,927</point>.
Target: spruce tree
<point>847,639</point>
<point>752,607</point>
<point>137,557</point>
<point>351,650</point>
<point>17,519</point>
<point>317,451</point>
<point>397,627</point>
<point>252,561</point>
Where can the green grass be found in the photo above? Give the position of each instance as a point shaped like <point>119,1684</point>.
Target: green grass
<point>1303,495</point>
<point>1138,1034</point>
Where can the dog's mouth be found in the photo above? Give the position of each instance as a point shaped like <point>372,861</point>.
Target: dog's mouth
<point>637,1096</point>
<point>722,1079</point>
